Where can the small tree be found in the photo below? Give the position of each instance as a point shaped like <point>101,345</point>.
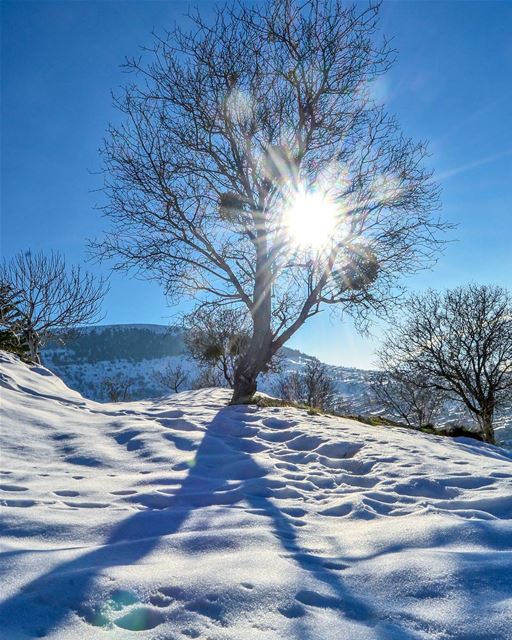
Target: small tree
<point>10,318</point>
<point>319,385</point>
<point>217,339</point>
<point>458,342</point>
<point>312,386</point>
<point>253,168</point>
<point>48,297</point>
<point>208,376</point>
<point>289,386</point>
<point>415,402</point>
<point>116,387</point>
<point>173,377</point>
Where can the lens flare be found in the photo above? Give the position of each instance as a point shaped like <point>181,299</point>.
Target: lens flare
<point>311,219</point>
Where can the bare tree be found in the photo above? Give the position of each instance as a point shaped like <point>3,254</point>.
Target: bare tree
<point>319,385</point>
<point>289,386</point>
<point>254,168</point>
<point>217,338</point>
<point>415,402</point>
<point>208,376</point>
<point>460,343</point>
<point>173,377</point>
<point>116,387</point>
<point>49,297</point>
<point>312,386</point>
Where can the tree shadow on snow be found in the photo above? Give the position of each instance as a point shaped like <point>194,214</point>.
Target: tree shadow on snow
<point>223,472</point>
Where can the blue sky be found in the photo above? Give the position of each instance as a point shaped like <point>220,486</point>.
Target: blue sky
<point>451,85</point>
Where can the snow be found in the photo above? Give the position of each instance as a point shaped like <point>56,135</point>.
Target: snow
<point>185,518</point>
<point>81,369</point>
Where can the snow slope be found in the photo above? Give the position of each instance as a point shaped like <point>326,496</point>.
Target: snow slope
<point>139,352</point>
<point>184,518</point>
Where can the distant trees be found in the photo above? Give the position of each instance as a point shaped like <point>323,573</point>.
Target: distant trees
<point>414,401</point>
<point>458,343</point>
<point>173,377</point>
<point>253,169</point>
<point>312,386</point>
<point>47,297</point>
<point>123,342</point>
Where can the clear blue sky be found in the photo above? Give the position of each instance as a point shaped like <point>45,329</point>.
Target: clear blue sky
<point>451,85</point>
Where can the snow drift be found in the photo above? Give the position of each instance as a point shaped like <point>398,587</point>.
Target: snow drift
<point>183,518</point>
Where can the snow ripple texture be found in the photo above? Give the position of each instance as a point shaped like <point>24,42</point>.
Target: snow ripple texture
<point>185,518</point>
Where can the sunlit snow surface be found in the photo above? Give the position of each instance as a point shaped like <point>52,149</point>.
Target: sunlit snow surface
<point>183,518</point>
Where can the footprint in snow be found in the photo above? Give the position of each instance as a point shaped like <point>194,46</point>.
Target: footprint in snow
<point>247,585</point>
<point>124,610</point>
<point>18,503</point>
<point>292,611</point>
<point>207,608</point>
<point>125,436</point>
<point>140,619</point>
<point>166,596</point>
<point>12,487</point>
<point>181,443</point>
<point>315,599</point>
<point>277,423</point>
<point>87,505</point>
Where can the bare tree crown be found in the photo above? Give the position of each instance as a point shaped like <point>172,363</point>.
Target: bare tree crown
<point>226,125</point>
<point>49,296</point>
<point>459,342</point>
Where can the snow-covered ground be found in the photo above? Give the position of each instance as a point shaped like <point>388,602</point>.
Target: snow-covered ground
<point>184,518</point>
<point>139,353</point>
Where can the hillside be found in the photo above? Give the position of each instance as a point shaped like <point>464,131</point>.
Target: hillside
<point>137,353</point>
<point>184,518</point>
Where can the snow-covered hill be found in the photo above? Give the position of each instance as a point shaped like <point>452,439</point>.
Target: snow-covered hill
<point>137,353</point>
<point>184,518</point>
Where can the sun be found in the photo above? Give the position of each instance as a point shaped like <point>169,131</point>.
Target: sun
<point>311,219</point>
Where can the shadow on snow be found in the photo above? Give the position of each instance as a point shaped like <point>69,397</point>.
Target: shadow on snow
<point>219,460</point>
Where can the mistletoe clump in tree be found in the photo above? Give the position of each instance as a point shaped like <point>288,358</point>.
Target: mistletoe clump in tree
<point>253,169</point>
<point>217,339</point>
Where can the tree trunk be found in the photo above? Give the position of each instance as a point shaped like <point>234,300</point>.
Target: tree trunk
<point>32,340</point>
<point>245,384</point>
<point>487,428</point>
<point>252,364</point>
<point>259,352</point>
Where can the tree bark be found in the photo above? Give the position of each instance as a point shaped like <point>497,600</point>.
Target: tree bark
<point>245,384</point>
<point>254,361</point>
<point>32,340</point>
<point>486,421</point>
<point>260,352</point>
